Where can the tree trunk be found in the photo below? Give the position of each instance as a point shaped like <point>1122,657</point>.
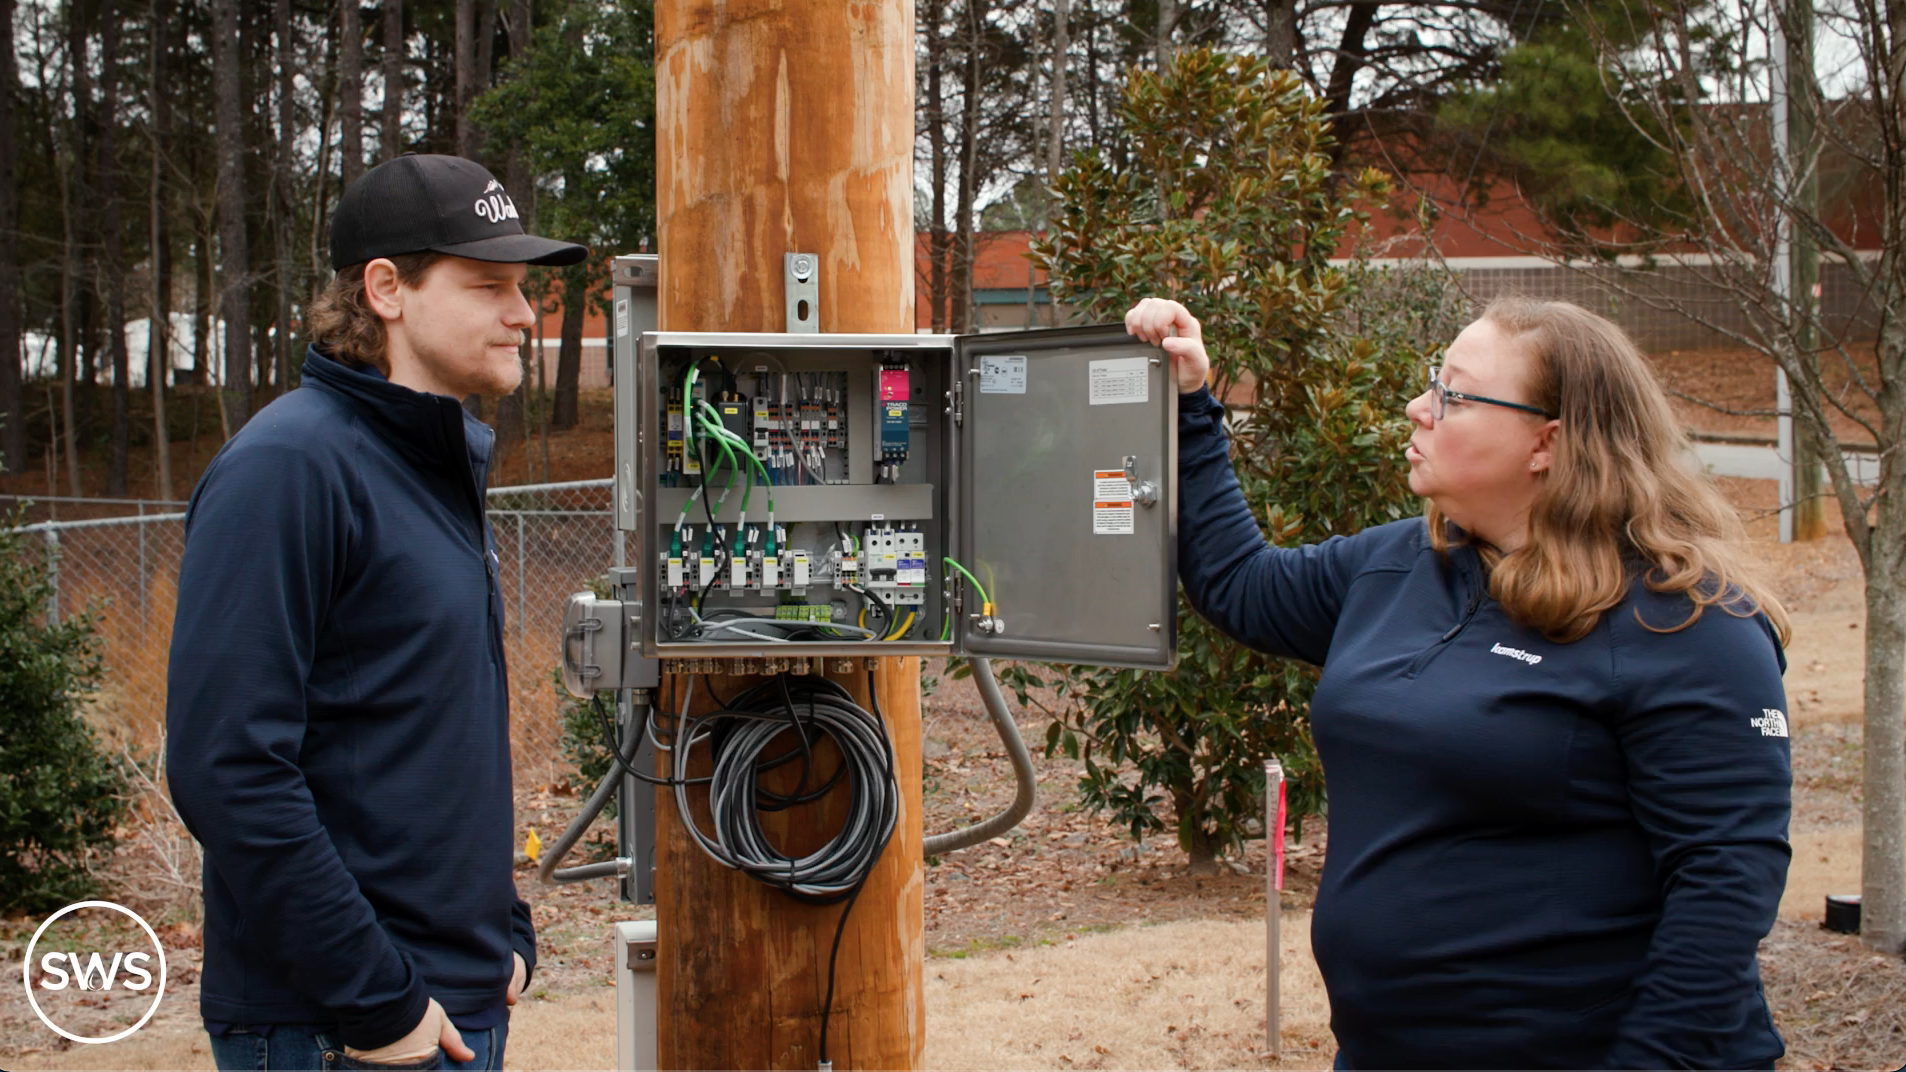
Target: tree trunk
<point>68,343</point>
<point>159,317</point>
<point>1061,48</point>
<point>1280,34</point>
<point>1352,50</point>
<point>485,51</point>
<point>1882,546</point>
<point>512,425</point>
<point>12,395</point>
<point>81,237</point>
<point>71,195</point>
<point>234,259</point>
<point>939,243</point>
<point>263,361</point>
<point>465,63</point>
<point>483,30</point>
<point>350,91</point>
<point>282,214</point>
<point>254,90</point>
<point>318,253</point>
<point>391,14</point>
<point>1883,797</point>
<point>432,87</point>
<point>1167,22</point>
<point>113,247</point>
<point>963,319</point>
<point>569,350</point>
<point>1809,505</point>
<point>201,310</point>
<point>1200,847</point>
<point>1092,83</point>
<point>90,335</point>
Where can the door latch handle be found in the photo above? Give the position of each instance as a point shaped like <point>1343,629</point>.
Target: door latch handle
<point>1144,492</point>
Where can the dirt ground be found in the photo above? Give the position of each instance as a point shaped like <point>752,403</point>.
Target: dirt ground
<point>1732,391</point>
<point>1069,947</point>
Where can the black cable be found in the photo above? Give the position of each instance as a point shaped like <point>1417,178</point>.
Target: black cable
<point>626,761</point>
<point>868,595</point>
<point>833,952</point>
<point>840,926</point>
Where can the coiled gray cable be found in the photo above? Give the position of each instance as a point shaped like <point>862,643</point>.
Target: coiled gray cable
<point>752,720</point>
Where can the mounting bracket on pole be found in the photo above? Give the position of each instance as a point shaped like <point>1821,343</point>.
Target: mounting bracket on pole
<point>803,294</point>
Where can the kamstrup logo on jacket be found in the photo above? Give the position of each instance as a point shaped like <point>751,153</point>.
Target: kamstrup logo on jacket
<point>1516,653</point>
<point>1771,723</point>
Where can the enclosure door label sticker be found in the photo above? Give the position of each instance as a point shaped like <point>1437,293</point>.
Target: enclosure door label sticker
<point>1111,503</point>
<point>1118,380</point>
<point>1003,375</point>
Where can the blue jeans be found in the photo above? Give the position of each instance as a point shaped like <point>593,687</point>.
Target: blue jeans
<point>315,1049</point>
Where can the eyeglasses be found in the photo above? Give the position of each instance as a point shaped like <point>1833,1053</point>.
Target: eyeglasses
<point>1440,394</point>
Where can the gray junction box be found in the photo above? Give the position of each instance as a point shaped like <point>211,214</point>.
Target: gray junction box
<point>1044,462</point>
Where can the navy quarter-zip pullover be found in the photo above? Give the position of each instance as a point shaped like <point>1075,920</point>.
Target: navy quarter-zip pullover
<point>337,716</point>
<point>1541,855</point>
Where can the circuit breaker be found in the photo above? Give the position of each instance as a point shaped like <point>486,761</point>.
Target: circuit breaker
<point>786,496</point>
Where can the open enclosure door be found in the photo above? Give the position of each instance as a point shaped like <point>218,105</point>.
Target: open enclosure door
<point>1066,497</point>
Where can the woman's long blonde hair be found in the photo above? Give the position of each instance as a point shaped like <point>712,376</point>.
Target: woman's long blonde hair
<point>1619,497</point>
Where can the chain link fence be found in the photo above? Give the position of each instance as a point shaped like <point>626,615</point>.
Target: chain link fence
<point>550,540</point>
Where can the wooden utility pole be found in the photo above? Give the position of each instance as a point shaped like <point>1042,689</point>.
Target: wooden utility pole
<point>781,129</point>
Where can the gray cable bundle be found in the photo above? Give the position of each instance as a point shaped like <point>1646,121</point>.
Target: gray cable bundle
<point>738,735</point>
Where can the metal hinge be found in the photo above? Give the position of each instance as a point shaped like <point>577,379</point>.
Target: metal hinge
<point>959,403</point>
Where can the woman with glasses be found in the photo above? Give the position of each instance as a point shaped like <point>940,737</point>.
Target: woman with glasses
<point>1550,713</point>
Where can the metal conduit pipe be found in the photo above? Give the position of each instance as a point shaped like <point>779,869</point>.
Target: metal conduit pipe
<point>1027,793</point>
<point>546,867</point>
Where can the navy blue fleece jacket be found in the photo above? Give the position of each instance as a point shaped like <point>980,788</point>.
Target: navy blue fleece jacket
<point>1541,855</point>
<point>337,715</point>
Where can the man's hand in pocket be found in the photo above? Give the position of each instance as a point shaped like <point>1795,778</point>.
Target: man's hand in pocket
<point>517,971</point>
<point>434,1031</point>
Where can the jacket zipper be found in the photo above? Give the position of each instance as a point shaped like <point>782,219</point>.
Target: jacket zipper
<point>1475,601</point>
<point>481,505</point>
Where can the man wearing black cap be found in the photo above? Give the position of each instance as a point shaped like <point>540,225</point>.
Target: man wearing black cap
<point>337,704</point>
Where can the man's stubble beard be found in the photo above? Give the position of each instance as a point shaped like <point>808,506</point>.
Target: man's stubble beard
<point>490,380</point>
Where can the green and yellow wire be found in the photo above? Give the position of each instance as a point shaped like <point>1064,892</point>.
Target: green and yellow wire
<point>985,601</point>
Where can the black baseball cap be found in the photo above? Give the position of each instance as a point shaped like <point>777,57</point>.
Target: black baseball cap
<point>444,204</point>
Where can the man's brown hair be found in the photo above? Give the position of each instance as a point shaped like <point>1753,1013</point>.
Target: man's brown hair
<point>342,324</point>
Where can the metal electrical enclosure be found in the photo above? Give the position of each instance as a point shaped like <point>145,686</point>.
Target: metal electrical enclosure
<point>1042,462</point>
<point>635,995</point>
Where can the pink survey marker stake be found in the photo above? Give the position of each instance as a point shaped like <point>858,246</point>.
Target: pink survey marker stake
<point>1277,840</point>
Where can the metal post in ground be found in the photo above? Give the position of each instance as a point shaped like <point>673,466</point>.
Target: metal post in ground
<point>53,576</point>
<point>140,580</point>
<point>519,575</point>
<point>1273,902</point>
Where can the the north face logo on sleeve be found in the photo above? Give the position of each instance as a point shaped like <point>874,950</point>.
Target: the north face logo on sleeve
<point>1772,723</point>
